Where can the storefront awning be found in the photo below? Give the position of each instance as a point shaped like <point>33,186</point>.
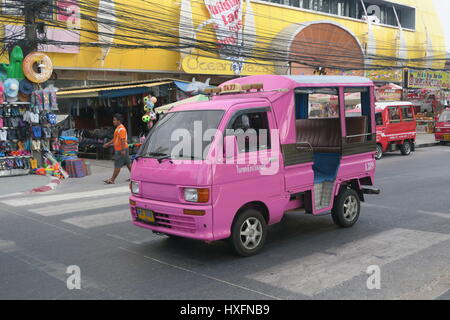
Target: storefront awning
<point>167,107</point>
<point>109,92</point>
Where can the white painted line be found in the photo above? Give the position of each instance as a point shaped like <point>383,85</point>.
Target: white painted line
<point>27,201</point>
<point>80,206</point>
<point>318,272</point>
<point>436,214</point>
<point>11,195</point>
<point>100,220</point>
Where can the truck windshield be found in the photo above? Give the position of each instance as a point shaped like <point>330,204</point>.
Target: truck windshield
<point>445,116</point>
<point>182,135</point>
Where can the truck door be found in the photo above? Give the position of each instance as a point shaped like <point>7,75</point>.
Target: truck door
<point>253,174</point>
<point>394,127</point>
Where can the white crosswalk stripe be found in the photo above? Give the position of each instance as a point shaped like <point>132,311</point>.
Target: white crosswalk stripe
<point>28,201</point>
<point>72,207</point>
<point>318,272</point>
<point>100,220</point>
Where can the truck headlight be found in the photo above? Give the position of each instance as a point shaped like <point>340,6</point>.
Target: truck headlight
<point>196,195</point>
<point>134,187</point>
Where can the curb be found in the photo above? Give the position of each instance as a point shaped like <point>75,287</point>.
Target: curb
<point>427,145</point>
<point>54,183</point>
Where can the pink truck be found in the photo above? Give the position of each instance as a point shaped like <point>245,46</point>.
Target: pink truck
<point>261,147</point>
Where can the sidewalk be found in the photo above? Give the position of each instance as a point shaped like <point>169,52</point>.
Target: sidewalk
<point>100,171</point>
<point>424,140</point>
<point>19,184</point>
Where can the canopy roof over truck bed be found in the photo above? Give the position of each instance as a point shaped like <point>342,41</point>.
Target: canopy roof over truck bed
<point>279,92</point>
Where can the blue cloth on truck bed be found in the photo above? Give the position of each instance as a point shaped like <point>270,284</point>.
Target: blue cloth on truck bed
<point>326,166</point>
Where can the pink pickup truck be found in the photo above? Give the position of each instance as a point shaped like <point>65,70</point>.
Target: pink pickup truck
<point>261,147</point>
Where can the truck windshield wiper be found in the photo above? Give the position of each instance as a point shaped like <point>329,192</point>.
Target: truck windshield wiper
<point>155,154</point>
<point>192,157</point>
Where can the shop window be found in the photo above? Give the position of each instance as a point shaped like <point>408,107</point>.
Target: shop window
<point>386,13</point>
<point>407,114</point>
<point>252,131</point>
<point>394,115</point>
<point>384,10</point>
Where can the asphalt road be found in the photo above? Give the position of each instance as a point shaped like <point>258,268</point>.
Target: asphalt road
<point>405,232</point>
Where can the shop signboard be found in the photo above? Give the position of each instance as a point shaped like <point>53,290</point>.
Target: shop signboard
<point>428,80</point>
<point>215,66</point>
<point>395,76</point>
<point>388,94</point>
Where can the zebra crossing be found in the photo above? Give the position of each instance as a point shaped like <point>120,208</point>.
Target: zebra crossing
<point>87,209</point>
<point>309,275</point>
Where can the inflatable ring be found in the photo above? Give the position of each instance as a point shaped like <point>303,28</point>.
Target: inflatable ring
<point>37,67</point>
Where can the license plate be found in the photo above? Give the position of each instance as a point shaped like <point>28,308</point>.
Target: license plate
<point>145,215</point>
<point>446,136</point>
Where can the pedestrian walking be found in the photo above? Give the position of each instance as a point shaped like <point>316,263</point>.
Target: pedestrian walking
<point>120,144</point>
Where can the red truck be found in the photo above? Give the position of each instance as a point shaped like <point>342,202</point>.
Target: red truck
<point>396,126</point>
<point>443,127</point>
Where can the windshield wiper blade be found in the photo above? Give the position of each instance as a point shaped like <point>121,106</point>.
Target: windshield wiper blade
<point>155,154</point>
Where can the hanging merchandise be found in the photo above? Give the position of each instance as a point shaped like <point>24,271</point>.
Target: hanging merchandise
<point>14,68</point>
<point>26,116</point>
<point>11,89</point>
<point>43,65</point>
<point>2,93</point>
<point>149,105</point>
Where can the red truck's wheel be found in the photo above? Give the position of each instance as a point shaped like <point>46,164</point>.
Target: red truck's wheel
<point>406,148</point>
<point>379,153</point>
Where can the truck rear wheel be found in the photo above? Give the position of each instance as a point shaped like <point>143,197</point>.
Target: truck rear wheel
<point>405,148</point>
<point>248,233</point>
<point>379,153</point>
<point>346,209</point>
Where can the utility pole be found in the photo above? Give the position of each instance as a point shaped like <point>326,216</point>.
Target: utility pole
<point>30,26</point>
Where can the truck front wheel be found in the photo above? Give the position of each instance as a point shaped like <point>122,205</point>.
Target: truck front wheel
<point>248,233</point>
<point>346,209</point>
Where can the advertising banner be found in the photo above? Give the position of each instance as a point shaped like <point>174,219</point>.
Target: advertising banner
<point>428,79</point>
<point>395,76</point>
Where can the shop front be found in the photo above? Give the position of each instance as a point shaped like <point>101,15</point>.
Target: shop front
<point>28,107</point>
<point>92,110</point>
<point>428,90</point>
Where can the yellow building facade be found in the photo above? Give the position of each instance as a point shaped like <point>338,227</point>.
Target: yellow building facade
<point>206,38</point>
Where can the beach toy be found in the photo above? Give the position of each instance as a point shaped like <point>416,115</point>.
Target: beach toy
<point>37,67</point>
<point>14,68</point>
<point>146,118</point>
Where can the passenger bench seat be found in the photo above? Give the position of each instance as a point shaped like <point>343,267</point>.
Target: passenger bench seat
<point>324,135</point>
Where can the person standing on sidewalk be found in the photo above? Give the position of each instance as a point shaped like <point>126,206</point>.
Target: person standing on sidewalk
<point>120,143</point>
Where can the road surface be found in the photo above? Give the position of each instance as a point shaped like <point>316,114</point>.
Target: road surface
<point>405,232</point>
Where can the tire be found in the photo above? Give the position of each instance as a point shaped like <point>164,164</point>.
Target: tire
<point>347,200</point>
<point>406,148</point>
<point>252,223</point>
<point>379,153</point>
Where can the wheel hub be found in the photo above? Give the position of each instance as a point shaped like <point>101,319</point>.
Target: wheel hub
<point>251,233</point>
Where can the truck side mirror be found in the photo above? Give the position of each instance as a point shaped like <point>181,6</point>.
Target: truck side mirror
<point>230,146</point>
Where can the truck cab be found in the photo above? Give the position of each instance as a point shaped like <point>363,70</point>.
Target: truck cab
<point>396,127</point>
<point>261,147</point>
<point>442,133</point>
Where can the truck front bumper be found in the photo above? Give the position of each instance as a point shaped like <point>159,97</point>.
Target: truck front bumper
<point>169,218</point>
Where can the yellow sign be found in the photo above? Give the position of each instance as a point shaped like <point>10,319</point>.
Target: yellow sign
<point>204,65</point>
<point>429,79</point>
<point>385,75</point>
